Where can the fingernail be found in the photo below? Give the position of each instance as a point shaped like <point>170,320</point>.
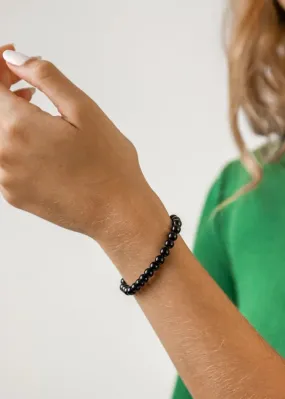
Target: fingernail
<point>16,58</point>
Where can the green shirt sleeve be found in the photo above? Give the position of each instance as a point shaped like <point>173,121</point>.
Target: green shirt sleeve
<point>210,250</point>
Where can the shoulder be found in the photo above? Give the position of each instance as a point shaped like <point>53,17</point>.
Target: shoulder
<point>233,176</point>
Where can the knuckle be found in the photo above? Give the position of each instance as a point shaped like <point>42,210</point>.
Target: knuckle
<point>80,107</point>
<point>132,150</point>
<point>76,109</point>
<point>12,198</point>
<point>43,69</point>
<point>7,181</point>
<point>11,124</point>
<point>5,156</point>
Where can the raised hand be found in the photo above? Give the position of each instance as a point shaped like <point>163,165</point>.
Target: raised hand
<point>70,169</point>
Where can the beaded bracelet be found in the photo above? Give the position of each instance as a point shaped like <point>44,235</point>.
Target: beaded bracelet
<point>172,236</point>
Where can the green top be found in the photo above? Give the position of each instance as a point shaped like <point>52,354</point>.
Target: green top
<point>243,249</point>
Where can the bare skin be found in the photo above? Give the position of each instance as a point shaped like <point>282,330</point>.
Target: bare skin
<point>80,172</point>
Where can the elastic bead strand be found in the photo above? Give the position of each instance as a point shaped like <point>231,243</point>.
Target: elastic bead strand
<point>172,236</point>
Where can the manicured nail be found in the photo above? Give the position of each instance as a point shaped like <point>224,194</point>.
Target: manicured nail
<point>16,58</point>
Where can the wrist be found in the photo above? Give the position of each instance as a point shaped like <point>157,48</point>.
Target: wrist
<point>136,220</point>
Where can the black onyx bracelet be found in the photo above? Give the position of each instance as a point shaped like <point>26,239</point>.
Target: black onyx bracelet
<point>172,236</point>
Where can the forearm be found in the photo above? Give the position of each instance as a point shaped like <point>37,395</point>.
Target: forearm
<point>215,350</point>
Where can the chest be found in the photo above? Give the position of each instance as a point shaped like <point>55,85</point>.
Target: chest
<point>255,238</point>
<point>255,230</point>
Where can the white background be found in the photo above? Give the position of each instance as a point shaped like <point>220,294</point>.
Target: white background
<point>156,67</point>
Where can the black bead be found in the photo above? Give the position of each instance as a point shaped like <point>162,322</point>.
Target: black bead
<point>172,236</point>
<point>154,266</point>
<point>133,288</point>
<point>128,292</point>
<point>125,289</point>
<point>159,259</point>
<point>148,272</point>
<point>177,222</point>
<point>123,281</point>
<point>142,281</point>
<point>145,277</point>
<point>138,285</point>
<point>122,287</point>
<point>176,229</point>
<point>174,217</point>
<point>164,251</point>
<point>169,243</point>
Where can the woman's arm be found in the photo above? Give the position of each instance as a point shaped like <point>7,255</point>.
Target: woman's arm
<point>210,247</point>
<point>215,350</point>
<point>79,171</point>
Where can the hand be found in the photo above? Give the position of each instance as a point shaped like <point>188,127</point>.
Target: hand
<point>70,169</point>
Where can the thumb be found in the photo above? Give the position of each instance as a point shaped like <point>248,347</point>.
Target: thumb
<point>43,75</point>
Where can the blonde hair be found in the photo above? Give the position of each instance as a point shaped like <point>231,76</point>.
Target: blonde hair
<point>255,47</point>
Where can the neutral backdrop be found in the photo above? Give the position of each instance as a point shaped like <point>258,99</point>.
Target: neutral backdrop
<point>157,68</point>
